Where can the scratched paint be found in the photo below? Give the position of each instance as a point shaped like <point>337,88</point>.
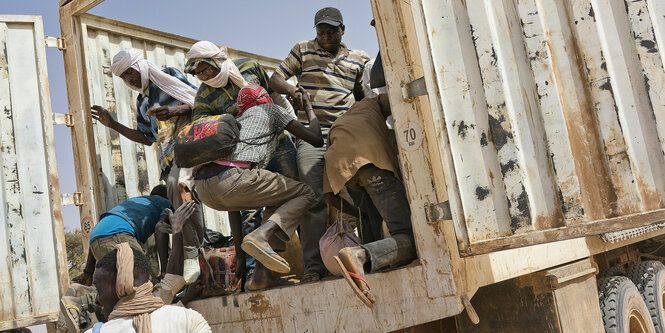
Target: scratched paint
<point>127,169</point>
<point>28,211</point>
<point>573,92</point>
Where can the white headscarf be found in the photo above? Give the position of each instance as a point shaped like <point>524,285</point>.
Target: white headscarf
<point>132,58</point>
<point>227,69</point>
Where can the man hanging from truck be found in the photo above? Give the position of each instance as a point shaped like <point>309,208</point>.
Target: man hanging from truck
<point>371,173</point>
<point>164,102</point>
<point>222,80</point>
<point>239,181</point>
<point>332,75</point>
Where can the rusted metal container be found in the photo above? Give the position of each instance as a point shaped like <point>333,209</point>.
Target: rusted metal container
<point>34,264</point>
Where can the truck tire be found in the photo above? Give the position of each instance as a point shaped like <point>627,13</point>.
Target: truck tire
<point>612,271</point>
<point>622,306</point>
<point>649,278</point>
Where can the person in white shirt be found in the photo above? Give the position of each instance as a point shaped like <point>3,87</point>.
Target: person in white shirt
<point>125,294</point>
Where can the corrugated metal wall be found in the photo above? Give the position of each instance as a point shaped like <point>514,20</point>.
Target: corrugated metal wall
<point>554,110</point>
<point>127,169</point>
<point>30,211</point>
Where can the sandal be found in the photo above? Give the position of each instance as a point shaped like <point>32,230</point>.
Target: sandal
<point>310,277</point>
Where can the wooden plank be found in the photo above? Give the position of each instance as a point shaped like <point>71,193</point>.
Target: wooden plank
<point>401,59</point>
<point>82,135</point>
<point>580,230</point>
<point>401,295</point>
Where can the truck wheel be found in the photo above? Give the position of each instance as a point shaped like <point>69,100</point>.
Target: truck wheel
<point>649,278</point>
<point>622,306</point>
<point>612,271</point>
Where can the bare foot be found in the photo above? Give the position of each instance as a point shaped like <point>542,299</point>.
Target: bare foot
<point>261,278</point>
<point>354,259</point>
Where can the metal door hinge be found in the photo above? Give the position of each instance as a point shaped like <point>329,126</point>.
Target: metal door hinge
<point>63,119</point>
<point>414,89</point>
<point>75,199</point>
<point>58,42</point>
<point>438,212</point>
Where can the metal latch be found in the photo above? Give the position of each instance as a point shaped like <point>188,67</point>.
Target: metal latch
<point>63,119</point>
<point>414,88</point>
<point>75,199</point>
<point>58,42</point>
<point>438,212</point>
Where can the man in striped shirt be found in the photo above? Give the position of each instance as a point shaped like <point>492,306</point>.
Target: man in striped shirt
<point>332,76</point>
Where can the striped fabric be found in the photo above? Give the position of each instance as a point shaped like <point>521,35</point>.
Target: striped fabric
<point>212,101</point>
<point>328,79</point>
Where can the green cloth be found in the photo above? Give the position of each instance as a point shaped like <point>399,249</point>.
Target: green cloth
<point>212,101</point>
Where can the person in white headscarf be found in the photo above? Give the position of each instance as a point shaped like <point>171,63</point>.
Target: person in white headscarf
<point>223,78</point>
<point>164,103</point>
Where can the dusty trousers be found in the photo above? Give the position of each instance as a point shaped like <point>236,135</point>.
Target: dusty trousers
<point>285,200</point>
<point>380,191</point>
<point>192,232</point>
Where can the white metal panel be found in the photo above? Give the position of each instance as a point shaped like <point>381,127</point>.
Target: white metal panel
<point>30,212</point>
<point>554,112</point>
<point>127,169</point>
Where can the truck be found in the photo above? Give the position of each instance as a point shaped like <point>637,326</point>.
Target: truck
<point>531,136</point>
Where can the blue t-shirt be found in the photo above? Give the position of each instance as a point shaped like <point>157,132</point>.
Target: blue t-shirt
<point>137,216</point>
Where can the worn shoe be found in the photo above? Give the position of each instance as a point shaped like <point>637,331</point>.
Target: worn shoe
<point>74,316</point>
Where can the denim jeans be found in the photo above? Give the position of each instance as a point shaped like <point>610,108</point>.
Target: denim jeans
<point>310,171</point>
<point>387,197</point>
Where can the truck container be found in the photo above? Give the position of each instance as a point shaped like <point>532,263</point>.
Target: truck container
<point>531,136</point>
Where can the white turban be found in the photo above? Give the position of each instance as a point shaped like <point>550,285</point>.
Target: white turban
<point>227,69</point>
<point>175,88</point>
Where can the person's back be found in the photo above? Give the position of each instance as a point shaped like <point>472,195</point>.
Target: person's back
<point>167,319</point>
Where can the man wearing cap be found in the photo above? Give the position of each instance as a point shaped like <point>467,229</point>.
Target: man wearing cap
<point>332,76</point>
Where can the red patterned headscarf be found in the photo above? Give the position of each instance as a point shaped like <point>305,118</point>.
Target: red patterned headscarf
<point>251,95</point>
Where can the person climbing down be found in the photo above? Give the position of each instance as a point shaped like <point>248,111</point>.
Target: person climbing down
<point>371,173</point>
<point>240,182</point>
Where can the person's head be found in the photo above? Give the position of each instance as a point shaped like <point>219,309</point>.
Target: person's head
<point>329,28</point>
<point>159,190</point>
<point>105,277</point>
<point>251,95</point>
<point>211,64</point>
<point>205,70</point>
<point>126,65</point>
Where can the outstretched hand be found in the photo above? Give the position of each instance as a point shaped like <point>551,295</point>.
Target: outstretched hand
<point>296,99</point>
<point>162,113</point>
<point>181,215</point>
<point>101,115</point>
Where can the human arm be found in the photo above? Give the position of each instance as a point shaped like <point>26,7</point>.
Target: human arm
<point>311,134</point>
<point>278,84</point>
<point>236,232</point>
<point>103,116</point>
<point>163,113</point>
<point>85,278</point>
<point>162,244</point>
<point>178,219</point>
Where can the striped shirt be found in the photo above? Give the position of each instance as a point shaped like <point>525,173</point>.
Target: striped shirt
<point>259,129</point>
<point>211,101</point>
<point>328,79</point>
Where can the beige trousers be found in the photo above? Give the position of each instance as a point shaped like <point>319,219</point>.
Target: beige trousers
<point>285,200</point>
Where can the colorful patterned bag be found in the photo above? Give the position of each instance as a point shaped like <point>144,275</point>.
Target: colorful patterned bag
<point>217,275</point>
<point>205,140</point>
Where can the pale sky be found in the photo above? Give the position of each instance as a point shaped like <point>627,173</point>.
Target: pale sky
<point>268,28</point>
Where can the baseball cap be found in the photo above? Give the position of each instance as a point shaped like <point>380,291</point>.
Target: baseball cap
<point>328,15</point>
